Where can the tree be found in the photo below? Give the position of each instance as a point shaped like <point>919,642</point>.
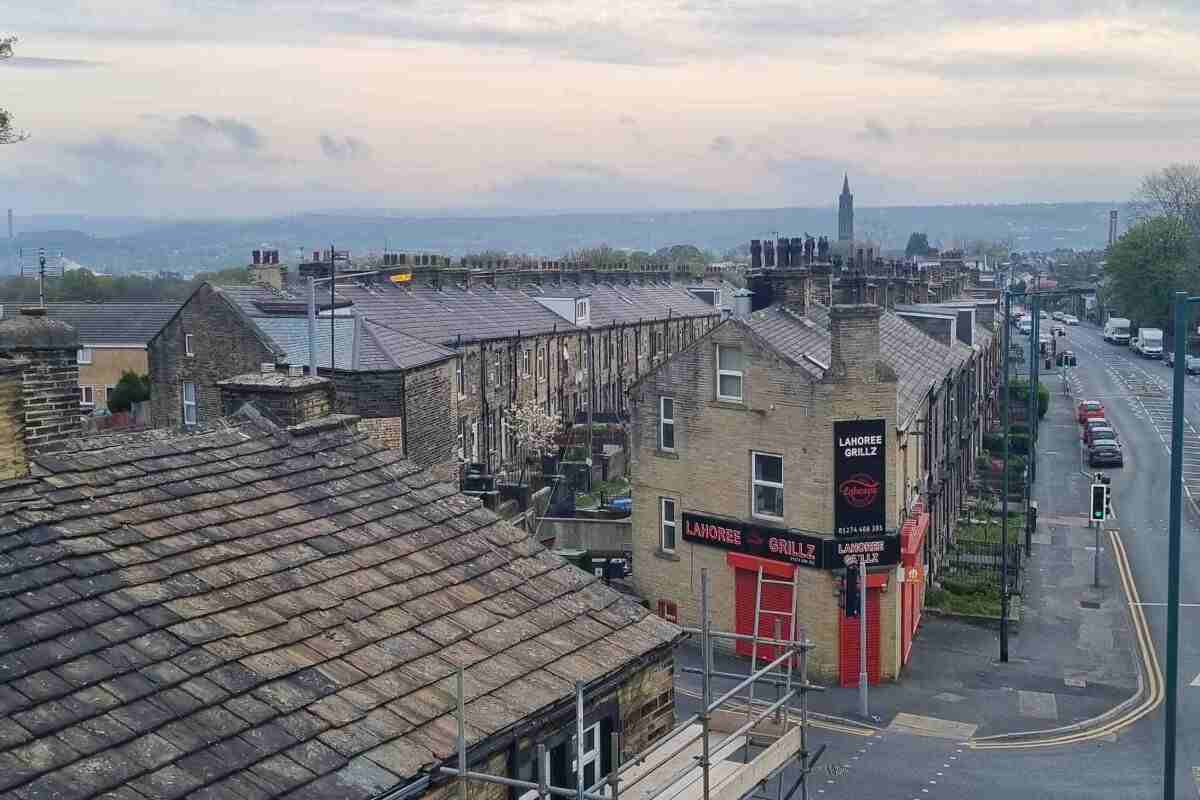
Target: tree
<point>1148,263</point>
<point>7,134</point>
<point>918,245</point>
<point>1173,191</point>
<point>132,388</point>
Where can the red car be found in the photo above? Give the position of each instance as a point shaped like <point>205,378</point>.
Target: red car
<point>1089,409</point>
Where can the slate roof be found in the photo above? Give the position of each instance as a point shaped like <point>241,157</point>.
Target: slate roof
<point>251,612</point>
<point>920,361</point>
<point>109,323</point>
<point>798,338</point>
<point>441,317</point>
<point>616,304</point>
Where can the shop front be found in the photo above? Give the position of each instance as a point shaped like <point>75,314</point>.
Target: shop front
<point>783,577</point>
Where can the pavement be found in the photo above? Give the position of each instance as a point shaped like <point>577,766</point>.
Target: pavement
<point>1076,711</point>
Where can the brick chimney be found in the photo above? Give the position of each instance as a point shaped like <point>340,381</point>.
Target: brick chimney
<point>44,350</point>
<point>285,398</point>
<point>854,345</point>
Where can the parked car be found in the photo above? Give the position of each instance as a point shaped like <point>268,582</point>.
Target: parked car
<point>1096,422</point>
<point>1192,366</point>
<point>1105,452</point>
<point>1089,409</point>
<point>1058,315</point>
<point>1091,436</point>
<point>1070,319</point>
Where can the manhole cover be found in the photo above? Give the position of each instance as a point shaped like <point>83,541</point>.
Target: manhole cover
<point>1089,604</point>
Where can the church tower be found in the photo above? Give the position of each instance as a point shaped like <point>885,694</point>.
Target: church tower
<point>846,212</point>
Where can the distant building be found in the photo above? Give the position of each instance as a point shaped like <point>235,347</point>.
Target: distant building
<point>112,341</point>
<point>846,212</point>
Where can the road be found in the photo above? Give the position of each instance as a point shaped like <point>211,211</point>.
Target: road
<point>1136,393</point>
<point>1128,764</point>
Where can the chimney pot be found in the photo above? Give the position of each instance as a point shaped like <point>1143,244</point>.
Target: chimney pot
<point>256,255</point>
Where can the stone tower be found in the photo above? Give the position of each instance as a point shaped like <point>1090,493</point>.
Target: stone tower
<point>846,212</point>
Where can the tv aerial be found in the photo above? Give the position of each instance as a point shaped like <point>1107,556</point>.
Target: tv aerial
<point>41,268</point>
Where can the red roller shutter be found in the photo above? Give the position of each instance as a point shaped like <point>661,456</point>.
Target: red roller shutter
<point>775,598</point>
<point>848,649</point>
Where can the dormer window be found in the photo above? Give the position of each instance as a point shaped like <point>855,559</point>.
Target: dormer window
<point>581,311</point>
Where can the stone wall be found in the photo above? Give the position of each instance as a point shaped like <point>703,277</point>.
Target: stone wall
<point>50,396</point>
<point>287,400</point>
<point>647,702</point>
<point>224,345</point>
<point>13,463</point>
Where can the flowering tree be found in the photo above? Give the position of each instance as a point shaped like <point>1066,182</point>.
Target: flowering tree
<point>535,430</point>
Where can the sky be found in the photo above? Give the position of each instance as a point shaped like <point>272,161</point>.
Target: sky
<point>229,108</point>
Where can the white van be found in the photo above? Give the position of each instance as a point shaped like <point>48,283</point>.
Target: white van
<point>1116,330</point>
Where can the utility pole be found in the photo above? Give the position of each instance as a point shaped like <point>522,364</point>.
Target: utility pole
<point>1006,403</point>
<point>863,677</point>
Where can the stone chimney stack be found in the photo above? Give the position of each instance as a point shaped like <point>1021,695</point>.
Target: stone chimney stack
<point>285,398</point>
<point>47,349</point>
<point>854,345</point>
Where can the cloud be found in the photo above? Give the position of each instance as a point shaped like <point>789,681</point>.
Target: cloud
<point>722,145</point>
<point>875,131</point>
<point>111,151</point>
<point>240,135</point>
<point>587,186</point>
<point>344,148</point>
<point>977,66</point>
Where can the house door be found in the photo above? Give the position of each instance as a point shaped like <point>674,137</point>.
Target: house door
<point>849,639</point>
<point>775,606</point>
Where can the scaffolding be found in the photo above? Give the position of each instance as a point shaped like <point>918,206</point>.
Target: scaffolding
<point>686,768</point>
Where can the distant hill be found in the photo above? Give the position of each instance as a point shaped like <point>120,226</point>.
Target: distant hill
<point>124,245</point>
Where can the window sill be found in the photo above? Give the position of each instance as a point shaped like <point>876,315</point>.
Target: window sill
<point>735,405</point>
<point>671,454</point>
<point>664,555</point>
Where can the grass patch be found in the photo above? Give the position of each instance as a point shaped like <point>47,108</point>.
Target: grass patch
<point>975,531</point>
<point>955,598</point>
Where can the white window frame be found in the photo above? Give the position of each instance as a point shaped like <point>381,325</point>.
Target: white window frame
<point>755,482</point>
<point>187,345</point>
<point>664,421</point>
<point>581,311</point>
<point>739,374</point>
<point>84,355</point>
<point>541,373</point>
<point>460,376</point>
<point>86,390</point>
<point>525,363</point>
<point>591,758</point>
<point>666,523</point>
<point>192,405</point>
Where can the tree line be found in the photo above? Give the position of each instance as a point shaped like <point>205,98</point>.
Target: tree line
<point>1158,254</point>
<point>81,285</point>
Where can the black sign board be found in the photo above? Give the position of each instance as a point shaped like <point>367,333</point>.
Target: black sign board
<point>878,551</point>
<point>778,544</point>
<point>859,475</point>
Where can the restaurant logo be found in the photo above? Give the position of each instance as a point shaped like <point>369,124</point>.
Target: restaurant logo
<point>859,491</point>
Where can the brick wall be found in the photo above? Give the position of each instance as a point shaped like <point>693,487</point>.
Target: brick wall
<point>224,345</point>
<point>431,422</point>
<point>13,462</point>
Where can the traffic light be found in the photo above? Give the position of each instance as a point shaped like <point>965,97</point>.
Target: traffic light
<point>1100,502</point>
<point>852,604</point>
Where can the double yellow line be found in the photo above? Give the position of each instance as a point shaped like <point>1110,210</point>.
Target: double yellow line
<point>1153,675</point>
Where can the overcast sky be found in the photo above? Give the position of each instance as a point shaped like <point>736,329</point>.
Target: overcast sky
<point>235,107</point>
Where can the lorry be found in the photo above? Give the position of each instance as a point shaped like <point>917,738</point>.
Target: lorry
<point>1148,343</point>
<point>1116,330</point>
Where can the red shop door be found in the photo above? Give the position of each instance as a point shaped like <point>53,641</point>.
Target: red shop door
<point>848,647</point>
<point>776,605</point>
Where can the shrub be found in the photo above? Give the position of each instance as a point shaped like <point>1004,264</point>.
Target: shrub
<point>132,388</point>
<point>1043,400</point>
